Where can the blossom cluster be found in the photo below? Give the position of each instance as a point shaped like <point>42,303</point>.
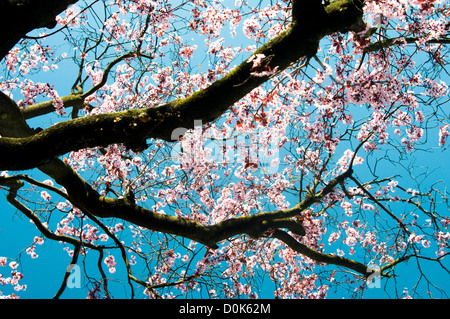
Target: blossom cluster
<point>13,279</point>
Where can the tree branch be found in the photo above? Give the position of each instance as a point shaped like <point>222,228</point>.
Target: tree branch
<point>398,220</point>
<point>11,198</point>
<point>18,17</point>
<point>400,41</point>
<point>76,99</point>
<point>74,260</point>
<point>106,72</point>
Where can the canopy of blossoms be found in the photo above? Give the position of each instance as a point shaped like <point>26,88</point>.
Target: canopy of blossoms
<point>206,148</point>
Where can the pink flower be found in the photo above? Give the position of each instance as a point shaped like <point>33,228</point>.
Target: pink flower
<point>366,206</point>
<point>256,59</point>
<point>413,238</point>
<point>30,251</point>
<point>352,238</point>
<point>20,287</point>
<point>13,264</point>
<point>48,182</point>
<point>406,294</point>
<point>333,237</point>
<point>419,116</point>
<point>45,196</point>
<point>118,227</point>
<point>72,17</point>
<point>267,72</point>
<point>413,192</point>
<point>187,51</point>
<point>251,28</point>
<point>443,134</point>
<point>111,263</point>
<point>392,185</point>
<point>347,208</point>
<point>425,243</point>
<point>239,191</point>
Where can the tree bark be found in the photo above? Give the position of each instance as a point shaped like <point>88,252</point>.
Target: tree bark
<point>18,17</point>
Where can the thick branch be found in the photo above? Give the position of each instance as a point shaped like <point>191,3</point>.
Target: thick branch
<point>133,127</point>
<point>18,17</point>
<point>12,123</point>
<point>76,99</point>
<point>83,196</point>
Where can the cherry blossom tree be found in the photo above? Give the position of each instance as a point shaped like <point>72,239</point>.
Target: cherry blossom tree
<point>208,147</point>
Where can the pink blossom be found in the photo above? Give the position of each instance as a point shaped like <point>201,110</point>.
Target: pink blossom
<point>419,116</point>
<point>346,159</point>
<point>38,240</point>
<point>443,134</point>
<point>256,59</point>
<point>31,251</point>
<point>72,17</point>
<point>414,238</point>
<point>414,134</point>
<point>352,236</point>
<point>48,182</point>
<point>187,51</point>
<point>367,206</point>
<point>111,263</point>
<point>45,196</point>
<point>392,185</point>
<point>119,227</point>
<point>347,208</point>
<point>406,294</point>
<point>251,28</point>
<point>413,192</point>
<point>266,72</point>
<point>13,264</point>
<point>425,243</point>
<point>333,237</point>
